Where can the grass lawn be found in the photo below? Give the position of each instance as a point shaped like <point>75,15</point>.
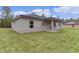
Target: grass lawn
<point>67,40</point>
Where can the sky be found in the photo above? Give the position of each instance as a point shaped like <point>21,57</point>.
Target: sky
<point>54,11</point>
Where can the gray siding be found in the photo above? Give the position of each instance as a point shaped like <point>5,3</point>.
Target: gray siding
<point>22,26</point>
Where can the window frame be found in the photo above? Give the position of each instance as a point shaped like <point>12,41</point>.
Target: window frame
<point>31,24</point>
<point>54,24</point>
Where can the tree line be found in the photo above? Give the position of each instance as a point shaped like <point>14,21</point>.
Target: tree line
<point>72,20</point>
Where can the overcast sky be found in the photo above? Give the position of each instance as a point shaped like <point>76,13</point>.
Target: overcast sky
<point>61,11</point>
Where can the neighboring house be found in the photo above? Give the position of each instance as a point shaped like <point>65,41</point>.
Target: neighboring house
<point>71,25</point>
<point>34,23</point>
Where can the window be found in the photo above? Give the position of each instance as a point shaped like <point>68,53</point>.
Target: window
<point>31,24</point>
<point>43,23</point>
<point>50,27</point>
<point>59,24</point>
<point>54,24</point>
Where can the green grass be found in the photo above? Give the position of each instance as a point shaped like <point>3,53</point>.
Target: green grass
<point>67,40</point>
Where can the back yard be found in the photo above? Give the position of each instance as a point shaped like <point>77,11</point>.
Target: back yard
<point>67,40</point>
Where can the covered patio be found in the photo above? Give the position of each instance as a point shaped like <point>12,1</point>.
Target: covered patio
<point>53,25</point>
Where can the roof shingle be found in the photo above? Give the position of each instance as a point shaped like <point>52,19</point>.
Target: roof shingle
<point>36,17</point>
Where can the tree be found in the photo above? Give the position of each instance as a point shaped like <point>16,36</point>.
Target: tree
<point>7,17</point>
<point>1,22</point>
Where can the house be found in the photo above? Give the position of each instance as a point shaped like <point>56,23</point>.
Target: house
<point>34,23</point>
<point>71,25</point>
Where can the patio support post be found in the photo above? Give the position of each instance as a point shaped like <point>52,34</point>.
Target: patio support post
<point>52,25</point>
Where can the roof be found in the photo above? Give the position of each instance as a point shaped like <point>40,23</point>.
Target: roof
<point>71,23</point>
<point>36,17</point>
